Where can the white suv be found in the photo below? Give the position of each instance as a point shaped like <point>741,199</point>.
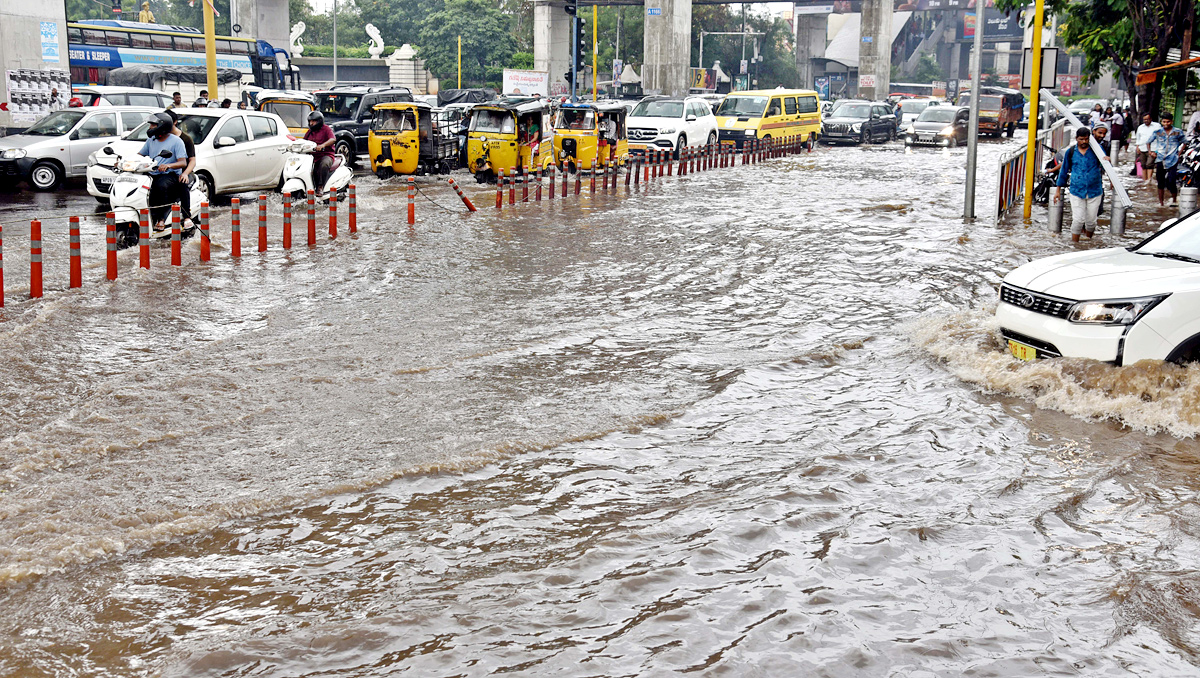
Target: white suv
<point>236,150</point>
<point>670,124</point>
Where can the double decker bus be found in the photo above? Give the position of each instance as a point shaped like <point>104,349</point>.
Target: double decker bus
<point>97,46</point>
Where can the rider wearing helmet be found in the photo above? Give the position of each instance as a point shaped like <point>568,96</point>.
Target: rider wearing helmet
<point>320,134</point>
<point>185,200</point>
<point>165,175</point>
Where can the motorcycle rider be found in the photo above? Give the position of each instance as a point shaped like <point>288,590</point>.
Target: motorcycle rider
<point>165,175</point>
<point>184,195</point>
<point>322,135</point>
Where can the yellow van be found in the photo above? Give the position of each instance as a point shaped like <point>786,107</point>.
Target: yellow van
<point>769,114</point>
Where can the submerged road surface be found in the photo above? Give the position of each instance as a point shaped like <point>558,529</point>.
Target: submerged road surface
<point>752,422</point>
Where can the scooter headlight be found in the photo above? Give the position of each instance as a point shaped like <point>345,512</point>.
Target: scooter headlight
<point>1112,311</point>
<point>13,153</point>
<point>129,165</point>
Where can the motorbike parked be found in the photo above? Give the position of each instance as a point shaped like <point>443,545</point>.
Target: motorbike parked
<point>298,173</point>
<point>130,194</point>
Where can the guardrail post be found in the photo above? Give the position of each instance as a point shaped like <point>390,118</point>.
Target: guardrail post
<point>205,241</point>
<point>312,219</point>
<point>235,235</point>
<point>287,219</point>
<point>76,259</point>
<point>144,238</point>
<point>176,243</point>
<point>110,245</point>
<point>262,223</point>
<point>352,220</point>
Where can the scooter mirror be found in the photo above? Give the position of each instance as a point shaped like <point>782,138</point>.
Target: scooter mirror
<point>109,151</point>
<point>165,154</point>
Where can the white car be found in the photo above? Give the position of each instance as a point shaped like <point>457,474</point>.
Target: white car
<point>1119,305</point>
<point>57,147</point>
<point>911,109</point>
<point>670,124</point>
<point>236,150</point>
<point>107,95</point>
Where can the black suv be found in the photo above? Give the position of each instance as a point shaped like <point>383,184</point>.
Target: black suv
<point>348,111</point>
<point>859,121</point>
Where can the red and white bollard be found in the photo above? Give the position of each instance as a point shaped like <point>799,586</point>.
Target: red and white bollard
<point>235,235</point>
<point>76,259</point>
<point>35,257</point>
<point>333,218</point>
<point>262,223</point>
<point>592,179</point>
<point>578,179</point>
<point>110,244</point>
<point>176,241</point>
<point>525,184</point>
<point>352,219</point>
<point>550,195</point>
<point>512,187</point>
<point>500,190</point>
<point>205,240</point>
<point>537,191</point>
<point>287,219</point>
<point>144,238</point>
<point>465,199</point>
<point>566,178</point>
<point>412,201</point>
<point>312,219</point>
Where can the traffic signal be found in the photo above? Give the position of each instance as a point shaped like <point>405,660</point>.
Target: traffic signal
<point>116,6</point>
<point>583,44</point>
<point>570,9</point>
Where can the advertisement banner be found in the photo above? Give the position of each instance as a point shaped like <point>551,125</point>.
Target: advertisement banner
<point>703,78</point>
<point>999,28</point>
<point>50,50</point>
<point>526,82</point>
<point>29,92</point>
<point>822,87</point>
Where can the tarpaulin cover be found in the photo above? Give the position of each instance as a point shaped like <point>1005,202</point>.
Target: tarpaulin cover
<point>148,75</point>
<point>469,96</point>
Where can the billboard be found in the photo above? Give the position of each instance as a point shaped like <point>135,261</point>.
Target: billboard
<point>855,6</point>
<point>999,28</point>
<point>526,82</point>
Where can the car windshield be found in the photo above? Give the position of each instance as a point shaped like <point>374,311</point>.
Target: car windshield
<point>294,114</point>
<point>658,109</point>
<point>496,122</point>
<point>743,107</point>
<point>55,124</point>
<point>913,106</point>
<point>936,114</point>
<point>337,105</point>
<point>855,111</point>
<point>196,126</point>
<point>1181,241</point>
<point>1084,104</point>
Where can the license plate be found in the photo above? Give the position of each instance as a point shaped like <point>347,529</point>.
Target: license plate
<point>728,142</point>
<point>925,137</point>
<point>1021,351</point>
<point>127,179</point>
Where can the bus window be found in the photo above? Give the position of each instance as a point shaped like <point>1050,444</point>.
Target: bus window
<point>789,105</point>
<point>807,104</point>
<point>161,41</point>
<point>140,40</point>
<point>116,39</point>
<point>75,37</point>
<point>91,37</point>
<point>185,44</point>
<point>224,47</point>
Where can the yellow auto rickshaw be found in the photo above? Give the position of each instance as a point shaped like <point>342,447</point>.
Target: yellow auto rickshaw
<point>510,137</point>
<point>579,129</point>
<point>409,137</point>
<point>292,107</point>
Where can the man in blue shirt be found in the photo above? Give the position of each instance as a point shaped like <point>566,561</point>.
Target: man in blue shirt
<point>1081,167</point>
<point>165,175</point>
<point>1164,151</point>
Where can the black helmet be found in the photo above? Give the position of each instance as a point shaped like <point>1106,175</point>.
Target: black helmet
<point>160,123</point>
<point>172,115</point>
<point>316,115</point>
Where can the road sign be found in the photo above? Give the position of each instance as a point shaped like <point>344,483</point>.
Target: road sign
<point>1049,67</point>
<point>866,79</point>
<point>654,11</point>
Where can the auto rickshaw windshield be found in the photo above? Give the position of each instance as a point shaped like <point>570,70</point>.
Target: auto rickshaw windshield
<point>294,114</point>
<point>393,119</point>
<point>574,119</point>
<point>496,122</point>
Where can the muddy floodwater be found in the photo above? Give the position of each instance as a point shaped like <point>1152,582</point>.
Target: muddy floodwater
<point>751,422</point>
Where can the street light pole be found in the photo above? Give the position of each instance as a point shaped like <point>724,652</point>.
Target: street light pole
<point>973,130</point>
<point>335,78</point>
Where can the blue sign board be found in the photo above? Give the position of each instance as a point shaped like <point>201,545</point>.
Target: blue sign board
<point>50,41</point>
<point>654,11</point>
<point>823,87</point>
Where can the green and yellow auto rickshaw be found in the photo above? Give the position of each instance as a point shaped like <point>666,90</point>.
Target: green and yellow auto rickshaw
<point>509,136</point>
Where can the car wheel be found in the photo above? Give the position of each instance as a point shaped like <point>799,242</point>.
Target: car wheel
<point>863,137</point>
<point>45,176</point>
<point>206,186</point>
<point>891,134</point>
<point>345,149</point>
<point>712,139</point>
<point>679,146</point>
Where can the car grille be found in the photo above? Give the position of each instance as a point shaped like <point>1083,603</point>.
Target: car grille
<point>1038,303</point>
<point>9,168</point>
<point>1044,348</point>
<point>836,128</point>
<point>642,134</point>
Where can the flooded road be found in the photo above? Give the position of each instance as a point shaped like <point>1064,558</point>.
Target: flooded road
<point>751,422</point>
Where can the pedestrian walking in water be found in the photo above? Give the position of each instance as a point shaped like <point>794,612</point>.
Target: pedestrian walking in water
<point>1143,136</point>
<point>1164,153</point>
<point>1082,170</point>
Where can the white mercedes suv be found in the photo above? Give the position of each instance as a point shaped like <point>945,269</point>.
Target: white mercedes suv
<point>1119,305</point>
<point>666,124</point>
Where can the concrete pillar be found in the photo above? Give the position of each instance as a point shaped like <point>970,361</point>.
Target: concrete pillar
<point>955,69</point>
<point>552,43</point>
<point>875,49</point>
<point>667,41</point>
<point>263,20</point>
<point>810,44</point>
<point>22,49</point>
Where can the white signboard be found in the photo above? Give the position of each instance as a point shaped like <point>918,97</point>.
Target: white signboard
<point>866,79</point>
<point>526,82</point>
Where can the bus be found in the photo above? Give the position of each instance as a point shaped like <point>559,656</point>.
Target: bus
<point>906,90</point>
<point>97,46</point>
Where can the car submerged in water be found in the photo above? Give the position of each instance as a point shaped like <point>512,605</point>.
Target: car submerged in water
<point>1118,305</point>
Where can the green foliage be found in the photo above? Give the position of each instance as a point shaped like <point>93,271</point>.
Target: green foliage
<point>778,66</point>
<point>348,52</point>
<point>487,42</point>
<point>398,21</point>
<point>522,60</point>
<point>168,12</point>
<point>928,69</point>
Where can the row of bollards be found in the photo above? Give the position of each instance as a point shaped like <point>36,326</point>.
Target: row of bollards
<point>235,250</point>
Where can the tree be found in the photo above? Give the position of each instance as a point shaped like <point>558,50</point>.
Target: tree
<point>778,66</point>
<point>487,41</point>
<point>398,21</point>
<point>928,69</point>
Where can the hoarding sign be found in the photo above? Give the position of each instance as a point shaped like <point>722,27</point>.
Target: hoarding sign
<point>526,82</point>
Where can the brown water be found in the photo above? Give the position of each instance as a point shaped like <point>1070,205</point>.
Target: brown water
<point>750,423</point>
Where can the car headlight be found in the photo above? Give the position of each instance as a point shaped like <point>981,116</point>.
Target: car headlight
<point>1112,311</point>
<point>91,159</point>
<point>947,131</point>
<point>669,130</point>
<point>912,129</point>
<point>856,128</point>
<point>14,153</point>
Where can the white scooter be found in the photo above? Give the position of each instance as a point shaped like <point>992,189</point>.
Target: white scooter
<point>130,193</point>
<point>298,173</point>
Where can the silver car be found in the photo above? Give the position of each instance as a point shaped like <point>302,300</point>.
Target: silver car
<point>57,146</point>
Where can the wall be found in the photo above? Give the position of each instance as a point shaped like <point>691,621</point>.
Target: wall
<point>317,72</point>
<point>21,42</point>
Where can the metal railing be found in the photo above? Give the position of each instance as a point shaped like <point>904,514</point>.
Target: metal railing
<point>1010,184</point>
